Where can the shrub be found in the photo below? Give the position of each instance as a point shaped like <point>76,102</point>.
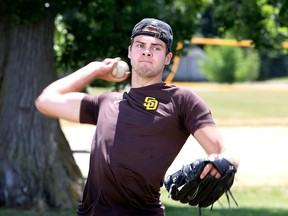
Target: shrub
<point>230,64</point>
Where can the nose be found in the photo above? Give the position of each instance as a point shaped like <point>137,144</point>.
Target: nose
<point>146,52</point>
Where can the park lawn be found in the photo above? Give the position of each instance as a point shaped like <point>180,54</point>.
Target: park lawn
<point>260,200</point>
<point>232,108</point>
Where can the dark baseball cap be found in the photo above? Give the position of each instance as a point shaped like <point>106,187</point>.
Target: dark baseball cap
<point>159,30</point>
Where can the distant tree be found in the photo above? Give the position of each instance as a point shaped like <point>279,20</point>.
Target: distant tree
<point>227,64</point>
<point>265,22</point>
<point>102,29</point>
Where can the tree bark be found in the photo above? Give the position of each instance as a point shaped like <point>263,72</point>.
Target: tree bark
<point>37,168</point>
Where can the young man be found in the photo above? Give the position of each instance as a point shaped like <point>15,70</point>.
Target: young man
<point>140,132</point>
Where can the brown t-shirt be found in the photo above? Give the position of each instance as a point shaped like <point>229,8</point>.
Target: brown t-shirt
<point>138,136</point>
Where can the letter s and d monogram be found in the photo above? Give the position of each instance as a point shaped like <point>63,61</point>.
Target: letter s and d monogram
<point>150,103</point>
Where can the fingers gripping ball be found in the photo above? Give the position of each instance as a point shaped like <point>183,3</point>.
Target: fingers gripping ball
<point>120,70</point>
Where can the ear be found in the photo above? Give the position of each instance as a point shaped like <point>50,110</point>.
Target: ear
<point>168,58</point>
<point>129,52</point>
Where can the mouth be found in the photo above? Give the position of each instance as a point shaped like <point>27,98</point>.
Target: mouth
<point>145,61</point>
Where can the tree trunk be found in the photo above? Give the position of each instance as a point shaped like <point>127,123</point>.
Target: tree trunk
<point>37,168</point>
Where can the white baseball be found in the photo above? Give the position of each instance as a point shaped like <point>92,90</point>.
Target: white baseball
<point>120,70</point>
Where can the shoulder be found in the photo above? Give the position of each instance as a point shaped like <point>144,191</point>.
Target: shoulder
<point>182,92</point>
<point>91,102</point>
<point>177,88</point>
<point>104,96</point>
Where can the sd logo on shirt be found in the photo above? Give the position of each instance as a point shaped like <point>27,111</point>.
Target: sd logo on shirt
<point>150,103</point>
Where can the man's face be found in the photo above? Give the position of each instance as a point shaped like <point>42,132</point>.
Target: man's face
<point>148,56</point>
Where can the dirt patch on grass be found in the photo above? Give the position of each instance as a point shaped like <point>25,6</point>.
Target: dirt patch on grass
<point>262,152</point>
<point>252,122</point>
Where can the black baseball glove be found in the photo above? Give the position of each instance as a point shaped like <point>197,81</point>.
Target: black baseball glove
<point>187,187</point>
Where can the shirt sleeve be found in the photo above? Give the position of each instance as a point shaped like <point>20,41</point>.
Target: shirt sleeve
<point>196,113</point>
<point>89,110</point>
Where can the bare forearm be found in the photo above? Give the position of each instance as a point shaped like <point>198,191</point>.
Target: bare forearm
<point>74,82</point>
<point>62,98</point>
<point>213,143</point>
<point>81,78</point>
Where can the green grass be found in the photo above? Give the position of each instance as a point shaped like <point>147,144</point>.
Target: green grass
<point>248,108</point>
<point>278,80</point>
<point>259,200</point>
<point>252,200</point>
<point>242,108</point>
<point>9,212</point>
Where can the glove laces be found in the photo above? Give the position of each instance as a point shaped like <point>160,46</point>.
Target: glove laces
<point>228,194</point>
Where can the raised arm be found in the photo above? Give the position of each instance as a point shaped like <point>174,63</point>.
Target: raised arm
<point>62,99</point>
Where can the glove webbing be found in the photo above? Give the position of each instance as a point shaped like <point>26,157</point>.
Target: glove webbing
<point>228,193</point>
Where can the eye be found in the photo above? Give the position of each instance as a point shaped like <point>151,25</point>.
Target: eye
<point>156,48</point>
<point>139,45</point>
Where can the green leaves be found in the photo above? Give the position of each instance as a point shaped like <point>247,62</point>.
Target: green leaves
<point>226,64</point>
<point>26,11</point>
<point>265,22</point>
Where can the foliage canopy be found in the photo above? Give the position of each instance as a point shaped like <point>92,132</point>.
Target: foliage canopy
<point>263,21</point>
<point>96,29</point>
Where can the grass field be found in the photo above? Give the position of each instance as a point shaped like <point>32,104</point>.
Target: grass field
<point>256,200</point>
<point>230,108</point>
<point>242,105</point>
<point>253,201</point>
<point>248,108</point>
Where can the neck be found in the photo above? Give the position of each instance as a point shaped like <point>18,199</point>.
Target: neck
<point>137,81</point>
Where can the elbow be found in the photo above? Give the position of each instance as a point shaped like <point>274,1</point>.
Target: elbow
<point>40,104</point>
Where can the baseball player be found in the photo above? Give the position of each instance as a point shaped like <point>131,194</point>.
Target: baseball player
<point>139,132</point>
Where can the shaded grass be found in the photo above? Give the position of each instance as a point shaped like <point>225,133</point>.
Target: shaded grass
<point>171,211</point>
<point>178,211</point>
<point>261,200</point>
<point>9,212</point>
